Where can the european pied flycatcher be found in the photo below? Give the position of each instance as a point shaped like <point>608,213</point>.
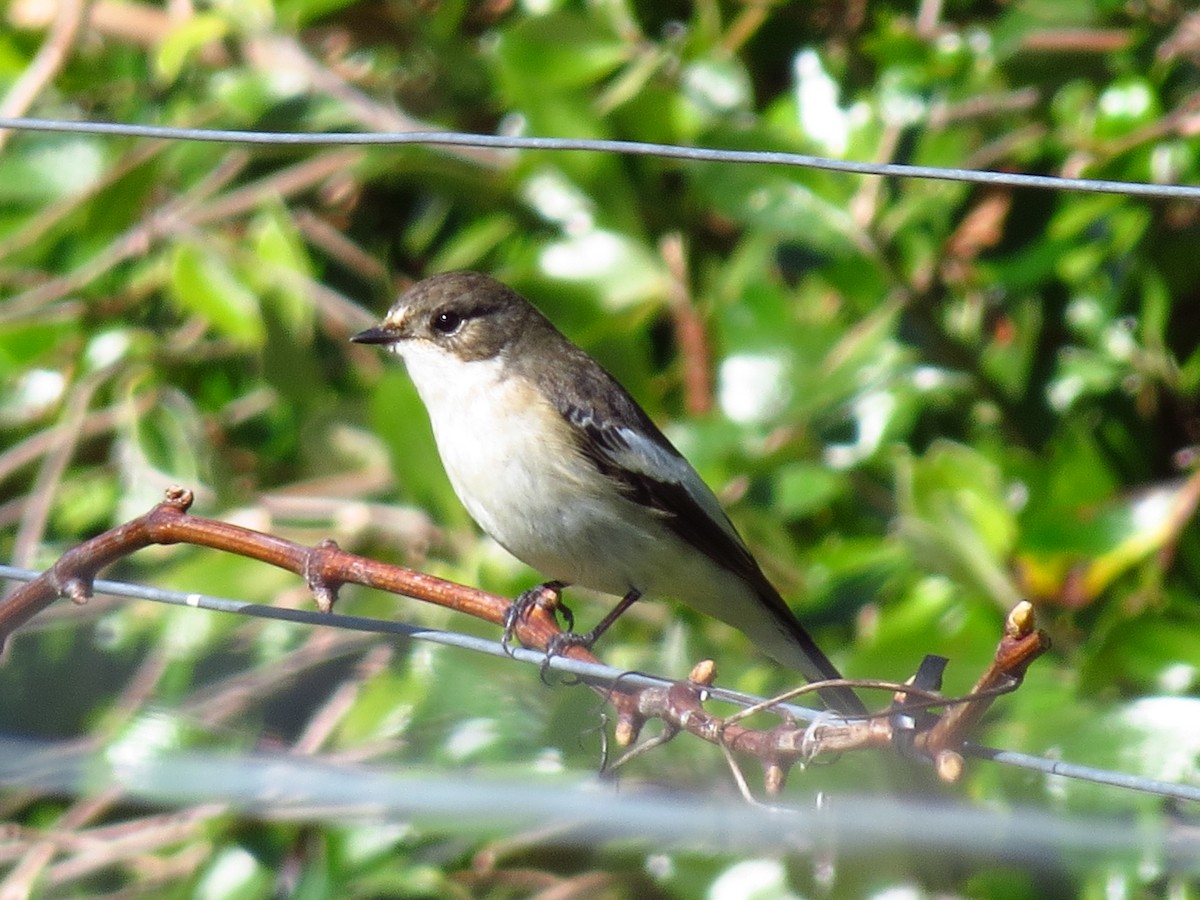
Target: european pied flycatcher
<point>554,459</point>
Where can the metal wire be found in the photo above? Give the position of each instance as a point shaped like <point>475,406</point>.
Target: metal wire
<point>630,148</point>
<point>592,673</point>
<point>573,810</point>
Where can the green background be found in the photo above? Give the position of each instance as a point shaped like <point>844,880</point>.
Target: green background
<point>920,401</point>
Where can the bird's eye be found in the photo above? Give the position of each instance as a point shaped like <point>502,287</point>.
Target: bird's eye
<point>446,322</point>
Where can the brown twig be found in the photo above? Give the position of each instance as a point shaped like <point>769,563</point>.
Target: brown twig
<point>1077,40</point>
<point>929,17</point>
<point>96,422</point>
<point>324,567</point>
<point>690,333</point>
<point>679,705</point>
<point>274,53</point>
<point>302,176</point>
<point>53,214</point>
<point>946,114</point>
<point>326,718</point>
<point>1021,645</point>
<point>338,246</point>
<point>751,17</point>
<point>214,705</point>
<point>1183,509</point>
<point>133,844</point>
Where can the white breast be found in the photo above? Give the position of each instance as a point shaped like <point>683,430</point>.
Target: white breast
<point>512,463</point>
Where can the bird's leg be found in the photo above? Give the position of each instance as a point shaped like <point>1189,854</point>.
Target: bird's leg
<point>519,609</point>
<point>568,638</point>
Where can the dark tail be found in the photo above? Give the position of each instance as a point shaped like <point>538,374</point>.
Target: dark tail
<point>791,645</point>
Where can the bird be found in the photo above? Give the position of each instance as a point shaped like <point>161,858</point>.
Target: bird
<point>555,460</point>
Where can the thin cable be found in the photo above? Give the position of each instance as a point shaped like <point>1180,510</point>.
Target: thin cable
<point>593,673</point>
<point>631,148</point>
<point>1084,773</point>
<point>567,809</point>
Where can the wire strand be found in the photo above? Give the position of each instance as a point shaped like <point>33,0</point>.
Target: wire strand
<point>629,148</point>
<point>569,809</point>
<point>593,673</point>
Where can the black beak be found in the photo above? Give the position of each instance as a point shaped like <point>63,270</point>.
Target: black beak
<point>376,335</point>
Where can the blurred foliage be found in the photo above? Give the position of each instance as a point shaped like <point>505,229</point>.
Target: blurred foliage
<point>927,399</point>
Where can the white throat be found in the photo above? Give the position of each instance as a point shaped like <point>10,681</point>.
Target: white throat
<point>447,383</point>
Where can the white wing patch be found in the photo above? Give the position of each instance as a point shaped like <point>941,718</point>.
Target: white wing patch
<point>643,455</point>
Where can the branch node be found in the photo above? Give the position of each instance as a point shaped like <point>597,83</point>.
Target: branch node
<point>810,743</point>
<point>1020,620</point>
<point>179,497</point>
<point>704,673</point>
<point>66,580</point>
<point>75,588</point>
<point>324,589</point>
<point>949,766</point>
<point>549,600</point>
<point>774,778</point>
<point>629,726</point>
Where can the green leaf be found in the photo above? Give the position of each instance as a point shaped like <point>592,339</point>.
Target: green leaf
<point>177,48</point>
<point>561,50</point>
<point>280,269</point>
<point>804,488</point>
<point>201,283</point>
<point>42,169</point>
<point>955,515</point>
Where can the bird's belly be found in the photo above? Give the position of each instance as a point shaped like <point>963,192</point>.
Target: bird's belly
<point>549,517</point>
<point>511,460</point>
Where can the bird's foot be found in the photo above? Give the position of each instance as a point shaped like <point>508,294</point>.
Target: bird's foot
<point>548,596</point>
<point>561,643</point>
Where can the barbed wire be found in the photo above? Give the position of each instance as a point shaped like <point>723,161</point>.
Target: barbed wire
<point>628,148</point>
<point>592,673</point>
